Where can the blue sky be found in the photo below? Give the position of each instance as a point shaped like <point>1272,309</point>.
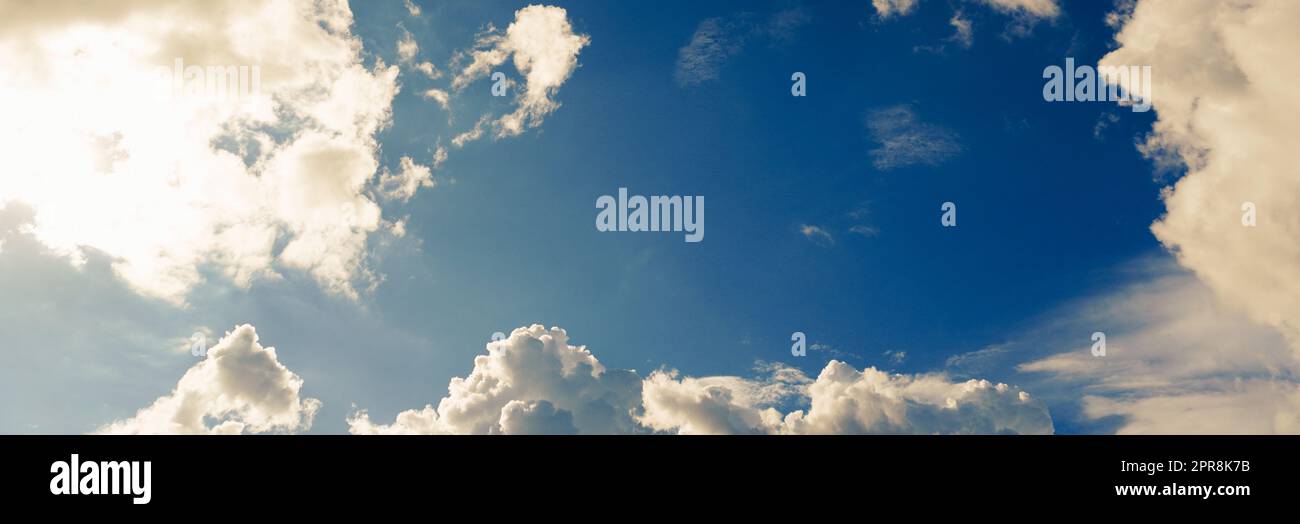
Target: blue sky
<point>812,224</point>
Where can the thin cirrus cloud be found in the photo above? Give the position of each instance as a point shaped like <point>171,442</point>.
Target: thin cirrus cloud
<point>1177,361</point>
<point>1024,13</point>
<point>816,234</point>
<point>903,140</point>
<point>1029,8</point>
<point>716,40</point>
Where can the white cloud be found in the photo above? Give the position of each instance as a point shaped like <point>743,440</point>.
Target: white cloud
<point>719,405</point>
<point>963,32</point>
<point>111,160</point>
<point>240,386</point>
<point>407,47</point>
<point>401,186</point>
<point>439,156</point>
<point>411,7</point>
<point>872,401</point>
<point>439,96</point>
<point>1032,8</point>
<point>864,230</point>
<point>472,134</point>
<point>1176,362</point>
<point>1024,14</point>
<point>532,365</point>
<point>1225,97</point>
<point>816,234</point>
<point>534,381</point>
<point>545,51</point>
<point>888,8</point>
<point>429,70</point>
<point>903,140</point>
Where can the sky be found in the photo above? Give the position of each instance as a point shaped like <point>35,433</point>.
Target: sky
<point>883,182</point>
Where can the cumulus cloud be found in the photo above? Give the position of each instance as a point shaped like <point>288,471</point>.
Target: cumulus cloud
<point>902,140</point>
<point>240,387</point>
<point>169,174</point>
<point>535,382</point>
<point>507,387</point>
<point>545,51</point>
<point>1225,98</point>
<point>719,405</point>
<point>845,400</point>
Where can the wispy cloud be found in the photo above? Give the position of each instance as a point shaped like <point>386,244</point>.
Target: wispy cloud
<point>716,40</point>
<point>903,140</point>
<point>1176,361</point>
<point>816,234</point>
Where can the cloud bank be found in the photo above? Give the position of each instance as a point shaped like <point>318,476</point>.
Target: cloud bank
<point>535,382</point>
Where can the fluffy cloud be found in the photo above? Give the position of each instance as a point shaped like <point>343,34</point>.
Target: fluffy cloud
<point>167,175</point>
<point>888,8</point>
<point>902,140</point>
<point>545,51</point>
<point>872,401</point>
<point>535,382</point>
<point>1224,94</point>
<point>241,387</point>
<point>507,387</point>
<point>719,405</point>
